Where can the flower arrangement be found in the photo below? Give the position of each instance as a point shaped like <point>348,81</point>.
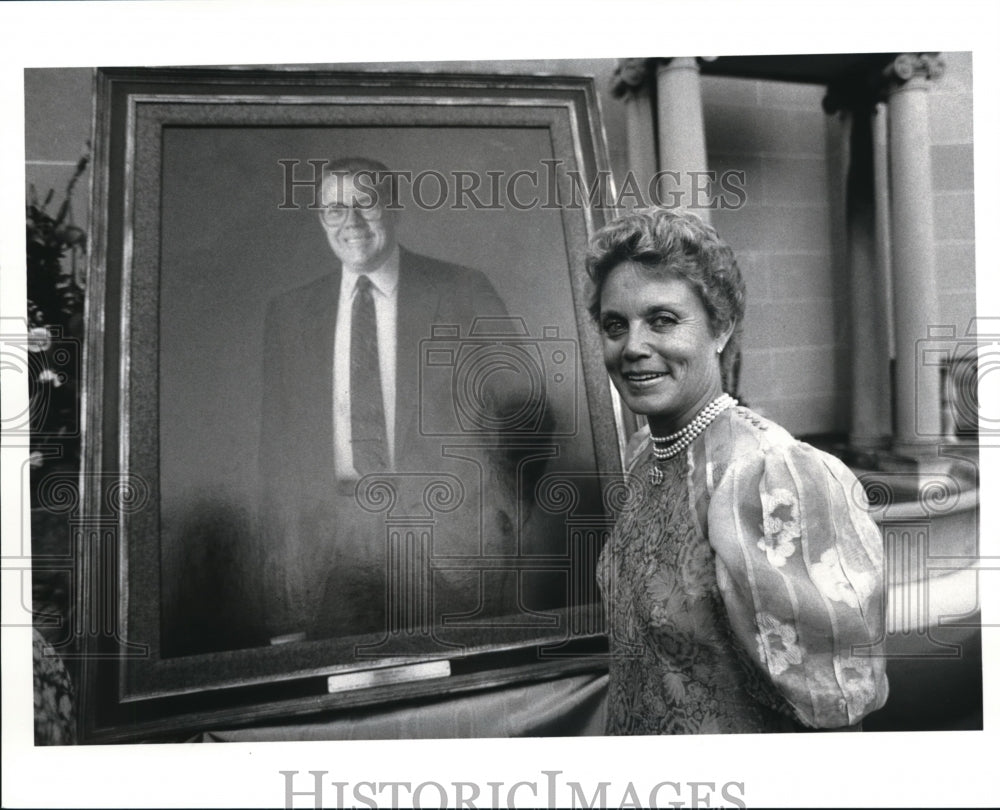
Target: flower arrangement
<point>55,259</point>
<point>56,249</point>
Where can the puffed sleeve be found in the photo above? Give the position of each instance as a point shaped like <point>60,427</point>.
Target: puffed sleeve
<point>799,565</point>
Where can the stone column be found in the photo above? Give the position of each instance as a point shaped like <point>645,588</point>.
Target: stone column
<point>632,84</point>
<point>883,240</point>
<point>870,412</point>
<point>853,100</point>
<point>681,135</point>
<point>914,294</point>
<point>871,419</point>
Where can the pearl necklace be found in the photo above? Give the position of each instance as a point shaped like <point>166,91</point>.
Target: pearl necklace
<point>665,447</point>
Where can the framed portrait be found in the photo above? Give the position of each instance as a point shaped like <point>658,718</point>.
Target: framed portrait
<point>235,565</point>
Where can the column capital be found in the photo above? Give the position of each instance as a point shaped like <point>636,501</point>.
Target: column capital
<point>861,91</point>
<point>634,77</point>
<point>909,66</point>
<point>679,62</point>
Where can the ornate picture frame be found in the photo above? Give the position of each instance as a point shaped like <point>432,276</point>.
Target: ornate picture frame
<point>206,214</point>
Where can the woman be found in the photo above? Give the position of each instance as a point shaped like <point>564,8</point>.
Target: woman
<point>742,584</point>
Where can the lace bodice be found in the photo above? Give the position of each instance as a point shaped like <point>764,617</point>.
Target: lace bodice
<point>742,593</point>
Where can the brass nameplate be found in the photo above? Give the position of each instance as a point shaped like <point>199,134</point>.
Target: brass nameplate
<point>387,675</point>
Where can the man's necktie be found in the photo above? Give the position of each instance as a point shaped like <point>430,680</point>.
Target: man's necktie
<point>368,437</point>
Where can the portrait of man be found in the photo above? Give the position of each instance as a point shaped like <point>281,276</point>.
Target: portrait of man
<point>343,460</point>
<point>341,394</point>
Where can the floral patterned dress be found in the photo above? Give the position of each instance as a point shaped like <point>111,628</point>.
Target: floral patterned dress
<point>742,594</point>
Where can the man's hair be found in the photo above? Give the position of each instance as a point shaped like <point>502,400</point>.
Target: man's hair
<point>377,175</point>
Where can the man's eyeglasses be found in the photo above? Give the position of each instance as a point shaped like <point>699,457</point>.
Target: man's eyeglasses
<point>338,214</point>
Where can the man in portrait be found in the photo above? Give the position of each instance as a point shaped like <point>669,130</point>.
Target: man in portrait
<point>342,397</point>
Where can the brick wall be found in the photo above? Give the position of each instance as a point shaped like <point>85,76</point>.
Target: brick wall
<point>57,121</point>
<point>951,152</point>
<point>794,355</point>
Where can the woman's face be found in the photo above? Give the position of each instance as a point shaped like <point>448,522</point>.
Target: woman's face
<point>658,346</point>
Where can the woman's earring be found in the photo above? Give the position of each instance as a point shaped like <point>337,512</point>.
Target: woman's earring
<point>718,349</point>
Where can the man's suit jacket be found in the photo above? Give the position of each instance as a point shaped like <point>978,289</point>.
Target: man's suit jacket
<point>323,557</point>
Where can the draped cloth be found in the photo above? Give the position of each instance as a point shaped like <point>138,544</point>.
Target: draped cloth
<point>744,592</point>
<point>560,707</point>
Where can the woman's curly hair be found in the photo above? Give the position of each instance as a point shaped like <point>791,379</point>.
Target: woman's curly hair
<point>679,245</point>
